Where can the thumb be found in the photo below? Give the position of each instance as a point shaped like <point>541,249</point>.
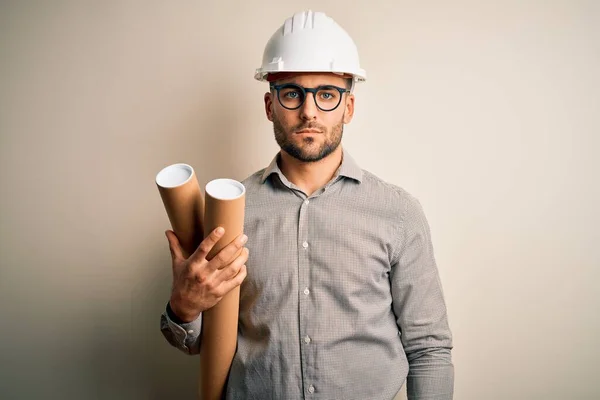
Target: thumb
<point>174,247</point>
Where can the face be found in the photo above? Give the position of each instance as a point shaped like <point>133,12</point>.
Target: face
<point>308,133</point>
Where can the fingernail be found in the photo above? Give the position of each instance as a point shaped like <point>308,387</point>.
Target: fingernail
<point>244,239</point>
<point>220,231</point>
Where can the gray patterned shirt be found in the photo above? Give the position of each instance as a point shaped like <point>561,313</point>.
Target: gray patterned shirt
<point>342,299</point>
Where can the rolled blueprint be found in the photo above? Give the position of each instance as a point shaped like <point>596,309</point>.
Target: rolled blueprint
<point>225,204</point>
<point>182,198</point>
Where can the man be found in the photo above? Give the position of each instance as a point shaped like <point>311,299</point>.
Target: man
<point>340,296</point>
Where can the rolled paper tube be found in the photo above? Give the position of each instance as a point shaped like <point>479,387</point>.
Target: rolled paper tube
<point>225,203</point>
<point>182,199</point>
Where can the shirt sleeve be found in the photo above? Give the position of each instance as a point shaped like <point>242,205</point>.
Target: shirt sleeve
<point>420,309</point>
<point>183,336</point>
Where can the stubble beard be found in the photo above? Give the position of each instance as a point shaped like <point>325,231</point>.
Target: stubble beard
<point>306,152</point>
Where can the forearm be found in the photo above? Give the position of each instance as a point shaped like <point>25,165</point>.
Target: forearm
<point>430,375</point>
<point>183,336</point>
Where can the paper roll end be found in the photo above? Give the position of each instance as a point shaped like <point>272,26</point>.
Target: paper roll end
<point>174,175</point>
<point>225,189</point>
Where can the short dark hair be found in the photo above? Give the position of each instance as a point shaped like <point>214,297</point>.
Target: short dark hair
<point>348,83</point>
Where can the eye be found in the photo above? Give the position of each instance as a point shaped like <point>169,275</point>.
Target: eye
<point>328,94</point>
<point>292,94</point>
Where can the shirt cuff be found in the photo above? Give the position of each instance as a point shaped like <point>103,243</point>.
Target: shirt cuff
<point>184,336</point>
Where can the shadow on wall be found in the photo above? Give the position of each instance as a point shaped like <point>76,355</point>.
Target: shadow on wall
<point>220,139</point>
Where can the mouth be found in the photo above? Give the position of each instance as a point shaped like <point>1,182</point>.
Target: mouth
<point>308,131</point>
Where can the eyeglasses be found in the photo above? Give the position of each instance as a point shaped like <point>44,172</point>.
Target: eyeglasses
<point>326,97</point>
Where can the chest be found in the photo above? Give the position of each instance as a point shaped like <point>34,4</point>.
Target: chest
<point>328,244</point>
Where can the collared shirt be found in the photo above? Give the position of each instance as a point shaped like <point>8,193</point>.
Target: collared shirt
<point>342,299</point>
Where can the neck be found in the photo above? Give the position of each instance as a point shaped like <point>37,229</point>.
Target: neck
<point>310,176</point>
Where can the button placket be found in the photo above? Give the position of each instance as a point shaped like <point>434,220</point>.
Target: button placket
<point>307,360</point>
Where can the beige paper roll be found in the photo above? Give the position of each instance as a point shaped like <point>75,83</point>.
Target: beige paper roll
<point>181,196</point>
<point>225,204</point>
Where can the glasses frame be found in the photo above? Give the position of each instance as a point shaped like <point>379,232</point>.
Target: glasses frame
<point>305,90</point>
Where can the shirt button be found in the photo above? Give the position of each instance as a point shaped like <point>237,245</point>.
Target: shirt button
<point>306,291</point>
<point>191,331</point>
<point>306,340</point>
<point>305,244</point>
<point>306,202</point>
<point>311,389</point>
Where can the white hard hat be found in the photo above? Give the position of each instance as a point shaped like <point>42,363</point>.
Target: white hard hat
<point>310,42</point>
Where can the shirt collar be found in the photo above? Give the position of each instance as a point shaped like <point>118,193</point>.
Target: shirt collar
<point>348,168</point>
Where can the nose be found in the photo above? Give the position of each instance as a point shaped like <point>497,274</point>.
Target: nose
<point>309,109</point>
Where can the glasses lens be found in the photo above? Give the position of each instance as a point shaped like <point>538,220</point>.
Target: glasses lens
<point>291,96</point>
<point>328,98</point>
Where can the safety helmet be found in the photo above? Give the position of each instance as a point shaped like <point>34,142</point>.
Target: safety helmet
<point>310,42</point>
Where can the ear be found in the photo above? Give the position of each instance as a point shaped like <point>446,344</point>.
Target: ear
<point>349,111</point>
<point>269,106</point>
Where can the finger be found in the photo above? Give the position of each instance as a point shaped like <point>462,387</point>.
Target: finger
<point>234,267</point>
<point>229,252</point>
<point>174,247</point>
<point>231,284</point>
<point>208,243</point>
